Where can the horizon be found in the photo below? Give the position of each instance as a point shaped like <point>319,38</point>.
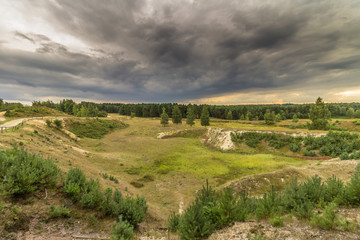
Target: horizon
<point>203,52</point>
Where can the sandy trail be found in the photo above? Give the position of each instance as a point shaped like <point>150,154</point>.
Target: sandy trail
<point>2,118</point>
<point>13,123</point>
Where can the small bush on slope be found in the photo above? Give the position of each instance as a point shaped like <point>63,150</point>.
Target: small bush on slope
<point>23,173</point>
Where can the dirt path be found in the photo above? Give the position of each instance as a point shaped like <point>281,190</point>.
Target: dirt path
<point>2,118</point>
<point>16,122</point>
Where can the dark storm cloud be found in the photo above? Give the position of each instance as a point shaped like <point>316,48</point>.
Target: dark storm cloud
<point>180,50</point>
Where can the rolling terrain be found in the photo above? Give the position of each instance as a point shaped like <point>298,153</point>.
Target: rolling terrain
<point>166,170</point>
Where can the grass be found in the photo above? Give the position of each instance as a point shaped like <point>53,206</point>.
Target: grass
<point>26,112</point>
<point>93,128</point>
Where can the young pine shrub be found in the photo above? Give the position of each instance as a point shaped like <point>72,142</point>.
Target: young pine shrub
<point>328,220</point>
<point>295,147</point>
<point>314,189</point>
<point>122,230</point>
<point>23,173</point>
<point>59,212</point>
<point>48,122</point>
<point>334,190</point>
<point>194,224</point>
<point>58,123</point>
<point>173,222</point>
<point>133,210</point>
<point>277,221</point>
<point>352,191</point>
<point>74,184</point>
<point>227,208</point>
<point>269,205</point>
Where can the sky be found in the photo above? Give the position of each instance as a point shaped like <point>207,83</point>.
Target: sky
<point>208,51</point>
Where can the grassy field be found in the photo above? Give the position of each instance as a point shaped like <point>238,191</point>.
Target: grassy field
<point>177,166</point>
<point>167,172</point>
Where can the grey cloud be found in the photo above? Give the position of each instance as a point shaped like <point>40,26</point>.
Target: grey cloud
<point>175,51</point>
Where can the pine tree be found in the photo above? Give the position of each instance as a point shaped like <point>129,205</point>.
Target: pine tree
<point>176,115</point>
<point>190,116</point>
<point>164,118</point>
<point>278,118</point>
<point>205,119</point>
<point>350,113</point>
<point>229,115</point>
<point>319,115</point>
<point>295,118</point>
<point>269,117</point>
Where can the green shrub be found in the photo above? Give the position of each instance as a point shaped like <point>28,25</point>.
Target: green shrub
<point>92,199</point>
<point>23,173</point>
<point>122,230</point>
<point>93,128</point>
<point>344,156</point>
<point>48,122</point>
<point>353,188</point>
<point>173,222</point>
<point>74,184</point>
<point>59,212</point>
<point>294,147</point>
<point>328,220</point>
<point>15,209</point>
<point>133,210</point>
<point>277,221</point>
<point>194,224</point>
<point>334,190</point>
<point>58,123</point>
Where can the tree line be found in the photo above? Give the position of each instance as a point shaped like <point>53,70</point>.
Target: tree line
<point>232,112</point>
<point>83,109</point>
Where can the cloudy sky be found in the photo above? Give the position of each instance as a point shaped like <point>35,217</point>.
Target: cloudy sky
<point>200,51</point>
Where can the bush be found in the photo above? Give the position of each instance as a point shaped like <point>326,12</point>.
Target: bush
<point>58,123</point>
<point>93,128</point>
<point>23,173</point>
<point>122,230</point>
<point>48,122</point>
<point>328,220</point>
<point>74,184</point>
<point>277,221</point>
<point>295,147</point>
<point>334,190</point>
<point>353,188</point>
<point>173,222</point>
<point>59,212</point>
<point>194,224</point>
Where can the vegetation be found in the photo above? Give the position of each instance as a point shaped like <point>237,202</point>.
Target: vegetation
<point>319,115</point>
<point>269,117</point>
<point>90,196</point>
<point>22,112</point>
<point>213,210</point>
<point>164,118</point>
<point>58,123</point>
<point>23,173</point>
<point>59,212</point>
<point>176,115</point>
<point>84,109</point>
<point>190,116</point>
<point>93,128</point>
<point>205,118</point>
<point>334,144</point>
<point>122,230</point>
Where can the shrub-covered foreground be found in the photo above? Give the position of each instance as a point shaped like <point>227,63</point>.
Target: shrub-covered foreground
<point>213,210</point>
<point>23,173</point>
<point>90,196</point>
<point>334,144</point>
